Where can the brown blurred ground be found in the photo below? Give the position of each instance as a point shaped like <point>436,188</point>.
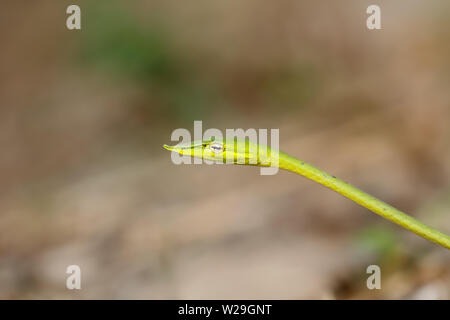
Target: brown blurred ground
<point>84,179</point>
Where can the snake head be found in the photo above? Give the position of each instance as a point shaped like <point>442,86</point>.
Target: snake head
<point>205,149</point>
<point>221,151</point>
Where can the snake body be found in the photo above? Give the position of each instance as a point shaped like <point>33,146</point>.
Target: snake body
<point>247,153</point>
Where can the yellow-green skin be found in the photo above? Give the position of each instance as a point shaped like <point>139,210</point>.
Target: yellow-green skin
<point>247,153</point>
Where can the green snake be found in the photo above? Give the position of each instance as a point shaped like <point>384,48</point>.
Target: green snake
<point>244,152</point>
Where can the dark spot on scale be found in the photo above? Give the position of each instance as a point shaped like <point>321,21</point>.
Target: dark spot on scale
<point>334,177</point>
<point>303,163</point>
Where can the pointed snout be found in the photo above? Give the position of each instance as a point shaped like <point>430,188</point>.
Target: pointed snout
<point>177,149</point>
<point>167,147</point>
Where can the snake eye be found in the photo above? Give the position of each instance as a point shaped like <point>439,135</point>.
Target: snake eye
<point>216,148</point>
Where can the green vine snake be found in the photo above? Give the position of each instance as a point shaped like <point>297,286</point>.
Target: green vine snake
<point>248,153</point>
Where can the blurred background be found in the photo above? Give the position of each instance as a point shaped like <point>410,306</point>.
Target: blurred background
<point>84,179</point>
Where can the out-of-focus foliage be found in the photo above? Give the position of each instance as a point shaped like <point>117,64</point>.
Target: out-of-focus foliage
<point>381,240</point>
<point>117,41</point>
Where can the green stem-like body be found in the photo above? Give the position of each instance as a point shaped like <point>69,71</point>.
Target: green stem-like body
<point>246,153</point>
<point>366,200</point>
